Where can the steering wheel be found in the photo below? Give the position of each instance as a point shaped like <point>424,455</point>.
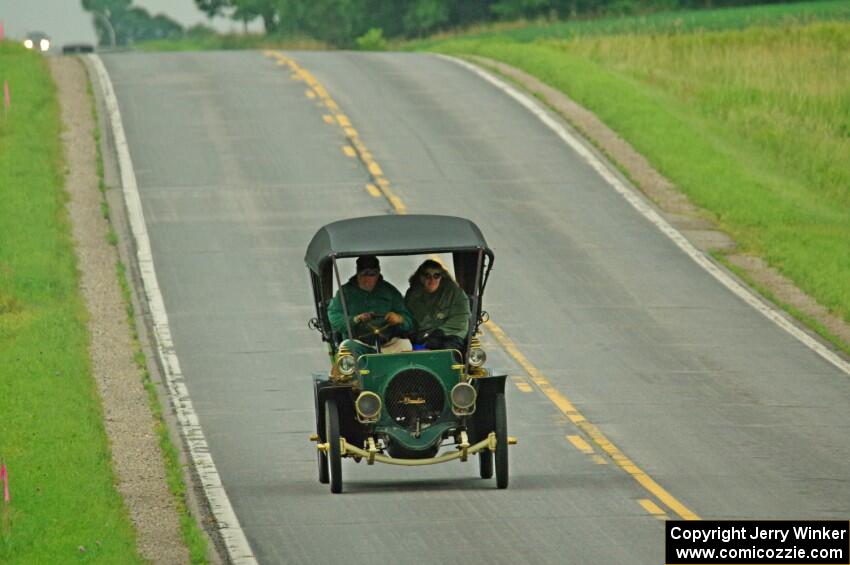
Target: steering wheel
<point>375,328</point>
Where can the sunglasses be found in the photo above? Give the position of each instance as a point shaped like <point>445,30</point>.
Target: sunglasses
<point>369,273</point>
<point>436,275</point>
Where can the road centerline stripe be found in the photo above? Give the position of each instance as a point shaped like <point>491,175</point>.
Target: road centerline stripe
<point>537,377</point>
<point>567,407</point>
<point>580,444</point>
<point>653,508</point>
<point>378,179</point>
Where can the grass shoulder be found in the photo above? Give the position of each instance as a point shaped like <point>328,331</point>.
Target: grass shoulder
<point>751,124</point>
<point>64,505</point>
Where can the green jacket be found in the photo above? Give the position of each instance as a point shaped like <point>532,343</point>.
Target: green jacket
<point>383,298</point>
<point>446,309</point>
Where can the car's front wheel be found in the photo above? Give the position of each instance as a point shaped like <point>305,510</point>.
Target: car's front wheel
<point>334,451</point>
<point>501,421</point>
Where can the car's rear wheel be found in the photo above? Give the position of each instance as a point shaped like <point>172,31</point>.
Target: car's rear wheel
<point>485,463</point>
<point>334,453</point>
<point>501,420</point>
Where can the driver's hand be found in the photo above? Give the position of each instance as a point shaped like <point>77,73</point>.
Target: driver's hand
<point>364,317</point>
<point>394,319</point>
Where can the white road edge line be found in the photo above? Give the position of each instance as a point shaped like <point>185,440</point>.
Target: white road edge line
<point>238,549</point>
<point>637,201</point>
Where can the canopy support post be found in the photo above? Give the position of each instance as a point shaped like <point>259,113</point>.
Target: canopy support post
<point>476,301</point>
<point>342,298</point>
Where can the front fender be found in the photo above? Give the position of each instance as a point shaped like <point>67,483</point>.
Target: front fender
<point>324,389</point>
<point>482,422</point>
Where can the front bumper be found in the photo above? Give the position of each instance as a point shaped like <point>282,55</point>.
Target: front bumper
<point>370,454</point>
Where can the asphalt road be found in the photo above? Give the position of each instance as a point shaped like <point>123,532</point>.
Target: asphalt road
<point>237,168</point>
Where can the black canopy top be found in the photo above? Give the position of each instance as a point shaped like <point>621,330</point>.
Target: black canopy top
<point>393,235</point>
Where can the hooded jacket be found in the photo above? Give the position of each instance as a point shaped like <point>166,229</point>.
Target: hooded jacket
<point>446,309</point>
<point>383,298</point>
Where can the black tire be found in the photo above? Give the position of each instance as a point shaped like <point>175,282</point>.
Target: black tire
<point>485,464</point>
<point>501,422</point>
<point>324,478</point>
<point>332,436</point>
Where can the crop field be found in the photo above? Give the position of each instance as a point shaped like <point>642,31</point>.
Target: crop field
<point>752,123</point>
<point>685,21</point>
<point>63,504</point>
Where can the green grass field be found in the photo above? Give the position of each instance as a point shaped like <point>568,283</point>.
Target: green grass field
<point>752,123</point>
<point>677,22</point>
<point>64,506</point>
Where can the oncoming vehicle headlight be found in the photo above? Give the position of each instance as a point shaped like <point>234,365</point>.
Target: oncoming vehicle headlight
<point>346,365</point>
<point>44,45</point>
<point>463,397</point>
<point>28,43</point>
<point>368,406</point>
<point>477,356</point>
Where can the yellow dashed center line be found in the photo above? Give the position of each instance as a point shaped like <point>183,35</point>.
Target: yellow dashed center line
<point>558,399</point>
<point>349,151</point>
<point>373,190</point>
<point>521,384</point>
<point>301,74</point>
<point>653,508</point>
<point>563,403</point>
<point>580,444</point>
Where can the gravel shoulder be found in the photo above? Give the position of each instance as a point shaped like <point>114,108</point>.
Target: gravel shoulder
<point>136,456</point>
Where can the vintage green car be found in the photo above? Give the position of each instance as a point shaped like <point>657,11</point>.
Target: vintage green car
<point>404,408</point>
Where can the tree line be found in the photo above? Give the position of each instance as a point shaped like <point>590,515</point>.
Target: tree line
<point>340,22</point>
<point>119,23</point>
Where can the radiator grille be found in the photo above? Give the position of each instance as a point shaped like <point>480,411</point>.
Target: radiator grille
<point>415,398</point>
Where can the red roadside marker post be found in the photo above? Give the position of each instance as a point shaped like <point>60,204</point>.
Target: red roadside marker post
<point>4,478</point>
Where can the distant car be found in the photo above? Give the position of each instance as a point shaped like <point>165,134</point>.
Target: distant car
<point>71,48</point>
<point>37,41</point>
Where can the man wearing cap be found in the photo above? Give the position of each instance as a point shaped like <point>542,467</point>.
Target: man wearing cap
<point>372,303</point>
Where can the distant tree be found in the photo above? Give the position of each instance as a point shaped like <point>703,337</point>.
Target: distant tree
<point>372,40</point>
<point>425,15</point>
<point>248,10</point>
<point>106,15</point>
<point>292,16</point>
<point>129,23</point>
<point>163,27</point>
<point>463,13</point>
<point>106,6</point>
<point>199,31</point>
<point>213,8</point>
<point>515,9</point>
<point>334,21</point>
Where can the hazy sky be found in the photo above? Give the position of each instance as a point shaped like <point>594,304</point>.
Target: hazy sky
<point>65,21</point>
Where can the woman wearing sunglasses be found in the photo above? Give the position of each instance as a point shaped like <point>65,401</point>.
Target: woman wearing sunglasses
<point>439,306</point>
